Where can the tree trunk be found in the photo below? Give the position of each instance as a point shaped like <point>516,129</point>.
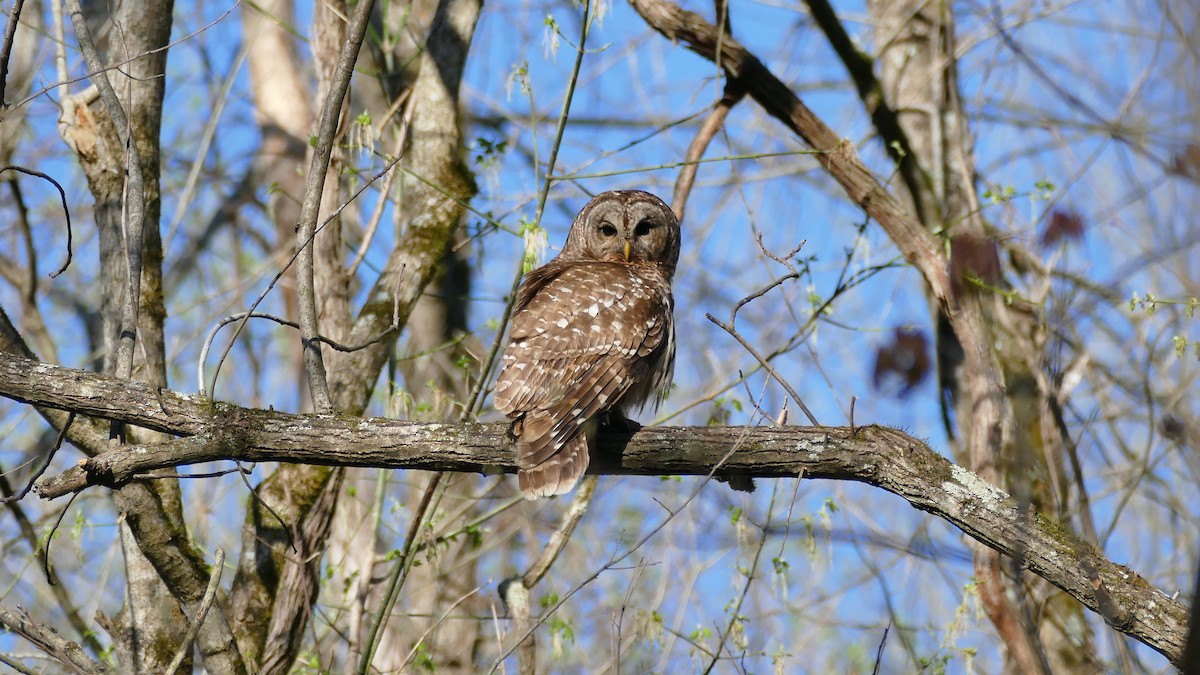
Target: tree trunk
<point>1042,630</point>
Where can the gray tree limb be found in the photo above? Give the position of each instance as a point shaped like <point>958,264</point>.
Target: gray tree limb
<point>880,456</point>
<point>48,640</point>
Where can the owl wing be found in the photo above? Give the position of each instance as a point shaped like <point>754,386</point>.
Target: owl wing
<point>579,341</point>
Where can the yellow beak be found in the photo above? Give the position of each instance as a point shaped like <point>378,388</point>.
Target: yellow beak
<point>626,250</point>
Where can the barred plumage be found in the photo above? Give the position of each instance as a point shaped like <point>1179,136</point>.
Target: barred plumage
<point>592,335</point>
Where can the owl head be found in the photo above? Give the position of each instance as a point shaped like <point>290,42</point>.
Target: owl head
<point>626,227</point>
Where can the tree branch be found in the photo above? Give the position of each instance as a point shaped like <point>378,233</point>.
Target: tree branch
<point>48,640</point>
<point>878,456</point>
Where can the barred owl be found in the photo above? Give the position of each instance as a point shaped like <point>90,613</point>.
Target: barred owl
<point>592,336</point>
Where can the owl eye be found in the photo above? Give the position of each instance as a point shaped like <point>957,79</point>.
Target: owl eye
<point>608,230</point>
<point>643,228</point>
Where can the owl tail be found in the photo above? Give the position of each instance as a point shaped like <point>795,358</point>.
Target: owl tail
<point>558,474</point>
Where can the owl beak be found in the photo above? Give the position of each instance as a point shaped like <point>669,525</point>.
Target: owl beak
<point>626,250</point>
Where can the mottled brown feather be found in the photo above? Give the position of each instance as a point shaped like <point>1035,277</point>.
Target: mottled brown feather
<point>591,331</point>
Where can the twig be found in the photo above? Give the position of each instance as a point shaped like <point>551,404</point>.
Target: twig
<point>879,652</point>
<point>363,583</point>
<point>243,316</point>
<point>417,643</point>
<point>399,573</point>
<point>287,531</point>
<point>716,118</point>
<point>15,665</point>
<point>279,275</point>
<point>210,131</point>
<point>766,366</point>
<point>62,194</point>
<point>210,593</point>
<point>615,559</point>
<point>477,396</point>
<point>61,595</point>
<point>61,60</point>
<point>735,615</point>
<point>331,113</point>
<point>159,475</point>
<point>637,575</point>
<point>48,640</point>
<point>62,434</point>
<point>50,538</point>
<point>10,34</point>
<point>377,214</point>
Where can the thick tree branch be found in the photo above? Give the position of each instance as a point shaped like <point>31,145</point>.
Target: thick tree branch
<point>919,246</point>
<point>878,456</point>
<point>861,68</point>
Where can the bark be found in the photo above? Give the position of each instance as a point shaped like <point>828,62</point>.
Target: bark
<point>297,493</point>
<point>878,456</point>
<point>153,535</point>
<point>49,641</point>
<point>919,78</point>
<point>437,387</point>
<point>284,115</point>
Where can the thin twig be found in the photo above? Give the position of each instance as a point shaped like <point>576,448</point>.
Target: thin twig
<point>882,644</point>
<point>287,531</point>
<point>399,573</point>
<point>695,152</point>
<point>279,275</point>
<point>331,114</point>
<point>210,593</point>
<point>48,640</point>
<point>614,560</point>
<point>363,583</point>
<point>377,214</point>
<point>62,195</point>
<point>735,615</point>
<point>242,316</point>
<point>62,434</point>
<point>417,643</point>
<point>50,537</point>
<point>61,60</point>
<point>10,35</point>
<point>210,131</point>
<point>637,575</point>
<point>477,396</point>
<point>766,366</point>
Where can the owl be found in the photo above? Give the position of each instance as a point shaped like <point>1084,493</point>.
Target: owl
<point>592,336</point>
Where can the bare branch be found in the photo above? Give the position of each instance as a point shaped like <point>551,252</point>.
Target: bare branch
<point>135,202</point>
<point>314,365</point>
<point>210,594</point>
<point>48,640</point>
